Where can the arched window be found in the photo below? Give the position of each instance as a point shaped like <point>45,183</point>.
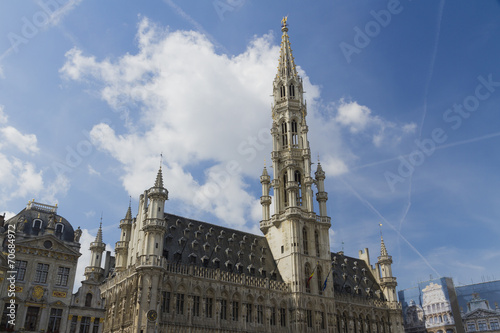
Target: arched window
<point>307,271</point>
<point>59,228</point>
<point>304,241</point>
<point>88,300</point>
<point>316,242</point>
<point>282,92</point>
<point>299,191</point>
<point>285,196</point>
<point>291,91</point>
<point>37,224</point>
<point>295,140</point>
<point>320,280</point>
<point>284,134</point>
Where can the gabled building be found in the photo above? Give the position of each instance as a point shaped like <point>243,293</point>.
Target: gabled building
<point>176,274</point>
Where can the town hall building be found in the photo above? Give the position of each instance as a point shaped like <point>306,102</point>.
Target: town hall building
<point>175,274</point>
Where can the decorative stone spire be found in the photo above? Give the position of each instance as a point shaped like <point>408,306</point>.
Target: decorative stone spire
<point>98,237</point>
<point>159,179</point>
<point>128,216</point>
<point>383,250</point>
<point>286,66</point>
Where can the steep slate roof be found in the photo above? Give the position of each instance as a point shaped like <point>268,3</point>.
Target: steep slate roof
<point>203,244</point>
<point>353,276</point>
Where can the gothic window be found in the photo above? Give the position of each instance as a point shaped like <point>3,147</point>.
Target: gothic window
<point>304,241</point>
<point>209,303</point>
<point>179,303</point>
<point>320,280</point>
<point>249,313</point>
<point>260,314</point>
<point>309,318</point>
<point>223,309</point>
<point>165,304</point>
<point>282,91</point>
<point>307,271</point>
<point>282,317</point>
<point>295,141</point>
<point>272,320</point>
<point>297,179</point>
<point>235,310</point>
<point>316,242</point>
<point>284,135</point>
<point>291,90</point>
<point>196,306</point>
<point>88,300</point>
<point>285,196</point>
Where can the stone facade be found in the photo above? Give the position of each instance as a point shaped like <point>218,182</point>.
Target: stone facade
<point>46,255</point>
<point>175,274</point>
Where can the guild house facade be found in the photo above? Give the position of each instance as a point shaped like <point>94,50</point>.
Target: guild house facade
<point>175,274</point>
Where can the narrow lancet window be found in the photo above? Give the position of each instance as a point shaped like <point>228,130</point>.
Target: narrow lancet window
<point>284,135</point>
<point>299,190</point>
<point>295,140</point>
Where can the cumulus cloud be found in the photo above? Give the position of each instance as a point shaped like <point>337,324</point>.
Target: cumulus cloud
<point>20,178</point>
<point>27,143</point>
<point>209,114</point>
<point>359,118</point>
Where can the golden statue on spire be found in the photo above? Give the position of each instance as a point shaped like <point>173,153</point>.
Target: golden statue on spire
<point>283,21</point>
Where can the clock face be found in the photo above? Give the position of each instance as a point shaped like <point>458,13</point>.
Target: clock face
<point>152,315</point>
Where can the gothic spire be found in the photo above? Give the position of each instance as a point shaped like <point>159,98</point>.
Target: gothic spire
<point>383,250</point>
<point>286,66</point>
<point>98,238</point>
<point>159,179</point>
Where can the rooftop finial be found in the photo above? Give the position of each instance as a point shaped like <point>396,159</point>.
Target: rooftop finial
<point>284,25</point>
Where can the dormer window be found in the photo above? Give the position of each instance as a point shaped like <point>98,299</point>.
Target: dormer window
<point>204,261</point>
<point>59,228</point>
<point>37,224</point>
<point>216,262</point>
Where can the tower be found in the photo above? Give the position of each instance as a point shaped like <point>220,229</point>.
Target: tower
<point>97,247</point>
<point>297,236</point>
<point>387,281</point>
<point>121,246</point>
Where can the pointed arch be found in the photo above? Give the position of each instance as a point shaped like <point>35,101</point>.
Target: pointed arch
<point>284,134</point>
<point>304,241</point>
<point>285,194</point>
<point>319,278</point>
<point>295,133</point>
<point>316,242</point>
<point>298,180</point>
<point>307,273</point>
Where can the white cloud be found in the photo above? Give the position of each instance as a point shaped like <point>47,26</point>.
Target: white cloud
<point>178,96</point>
<point>359,119</point>
<point>27,143</point>
<point>8,215</point>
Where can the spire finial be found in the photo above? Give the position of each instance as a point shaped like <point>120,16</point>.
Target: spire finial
<point>383,250</point>
<point>284,25</point>
<point>159,178</point>
<point>98,238</point>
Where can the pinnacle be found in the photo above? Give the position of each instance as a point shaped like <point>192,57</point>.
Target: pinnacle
<point>98,238</point>
<point>383,250</point>
<point>159,179</point>
<point>128,216</point>
<point>264,172</point>
<point>286,66</point>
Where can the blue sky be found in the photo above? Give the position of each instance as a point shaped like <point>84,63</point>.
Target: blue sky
<point>402,98</point>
